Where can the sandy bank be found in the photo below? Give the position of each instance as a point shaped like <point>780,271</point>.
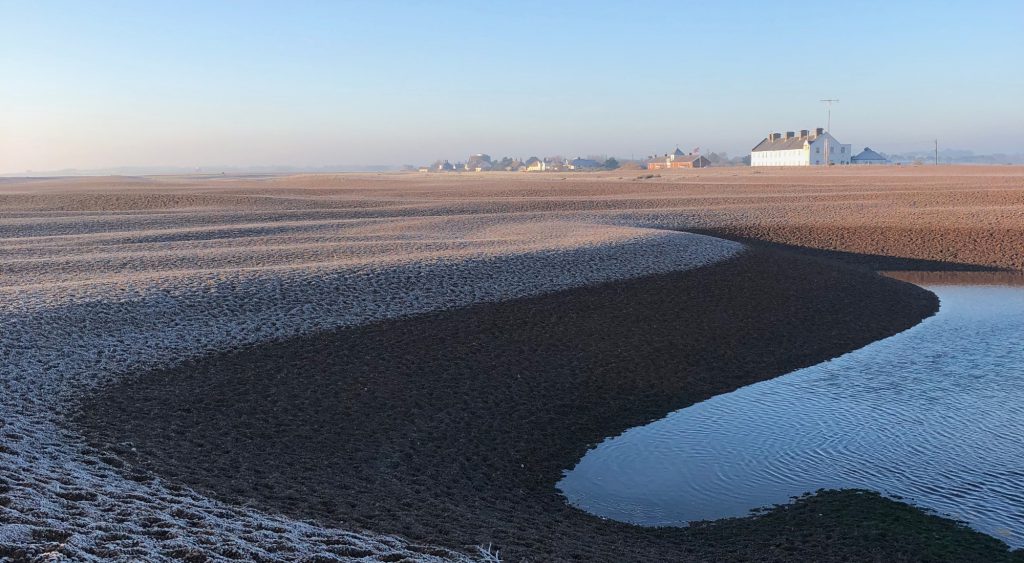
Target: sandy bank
<point>963,214</point>
<point>453,427</point>
<point>111,277</point>
<point>87,307</point>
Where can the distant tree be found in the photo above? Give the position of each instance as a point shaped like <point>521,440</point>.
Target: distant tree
<point>611,164</point>
<point>718,159</point>
<point>745,160</point>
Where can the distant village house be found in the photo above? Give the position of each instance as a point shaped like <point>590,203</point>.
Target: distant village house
<point>478,163</point>
<point>535,164</point>
<point>678,159</point>
<point>585,164</point>
<point>868,156</point>
<point>481,162</point>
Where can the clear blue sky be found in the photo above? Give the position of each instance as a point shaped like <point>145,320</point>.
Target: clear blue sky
<point>199,83</point>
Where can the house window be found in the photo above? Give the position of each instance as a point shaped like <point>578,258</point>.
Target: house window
<point>817,150</point>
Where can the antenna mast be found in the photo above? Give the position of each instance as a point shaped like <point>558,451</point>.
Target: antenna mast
<point>828,125</point>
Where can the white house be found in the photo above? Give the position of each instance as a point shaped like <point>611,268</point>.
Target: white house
<point>534,164</point>
<point>806,149</point>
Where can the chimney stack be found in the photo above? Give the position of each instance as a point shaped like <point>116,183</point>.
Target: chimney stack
<point>804,132</point>
<point>790,134</point>
<point>774,137</point>
<point>819,131</point>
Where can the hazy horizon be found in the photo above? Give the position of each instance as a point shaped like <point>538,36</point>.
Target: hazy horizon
<point>305,85</point>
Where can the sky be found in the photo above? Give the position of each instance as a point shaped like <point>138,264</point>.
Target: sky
<point>230,83</point>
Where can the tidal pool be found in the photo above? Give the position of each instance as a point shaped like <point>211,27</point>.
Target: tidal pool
<point>933,415</point>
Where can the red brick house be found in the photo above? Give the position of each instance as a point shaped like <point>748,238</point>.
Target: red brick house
<point>678,159</point>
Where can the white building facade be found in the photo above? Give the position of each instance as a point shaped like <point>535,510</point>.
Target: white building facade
<point>804,149</point>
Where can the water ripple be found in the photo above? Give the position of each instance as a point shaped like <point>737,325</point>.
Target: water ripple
<point>934,415</point>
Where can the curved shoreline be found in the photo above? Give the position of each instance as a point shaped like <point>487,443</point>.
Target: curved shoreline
<point>106,280</point>
<point>59,496</point>
<point>452,427</point>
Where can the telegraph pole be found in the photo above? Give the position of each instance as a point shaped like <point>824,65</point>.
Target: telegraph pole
<point>828,125</point>
<point>936,152</point>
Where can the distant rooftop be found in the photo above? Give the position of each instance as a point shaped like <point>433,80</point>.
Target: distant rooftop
<point>687,158</point>
<point>868,155</point>
<point>784,142</point>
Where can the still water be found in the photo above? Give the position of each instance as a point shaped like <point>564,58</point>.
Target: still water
<point>934,415</point>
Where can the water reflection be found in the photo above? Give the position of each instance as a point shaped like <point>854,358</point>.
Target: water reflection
<point>934,415</point>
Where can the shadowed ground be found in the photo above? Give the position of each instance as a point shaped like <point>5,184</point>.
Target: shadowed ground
<point>454,427</point>
<point>108,277</point>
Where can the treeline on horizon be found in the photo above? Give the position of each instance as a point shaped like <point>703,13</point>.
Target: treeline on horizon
<point>599,162</point>
<point>946,156</point>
